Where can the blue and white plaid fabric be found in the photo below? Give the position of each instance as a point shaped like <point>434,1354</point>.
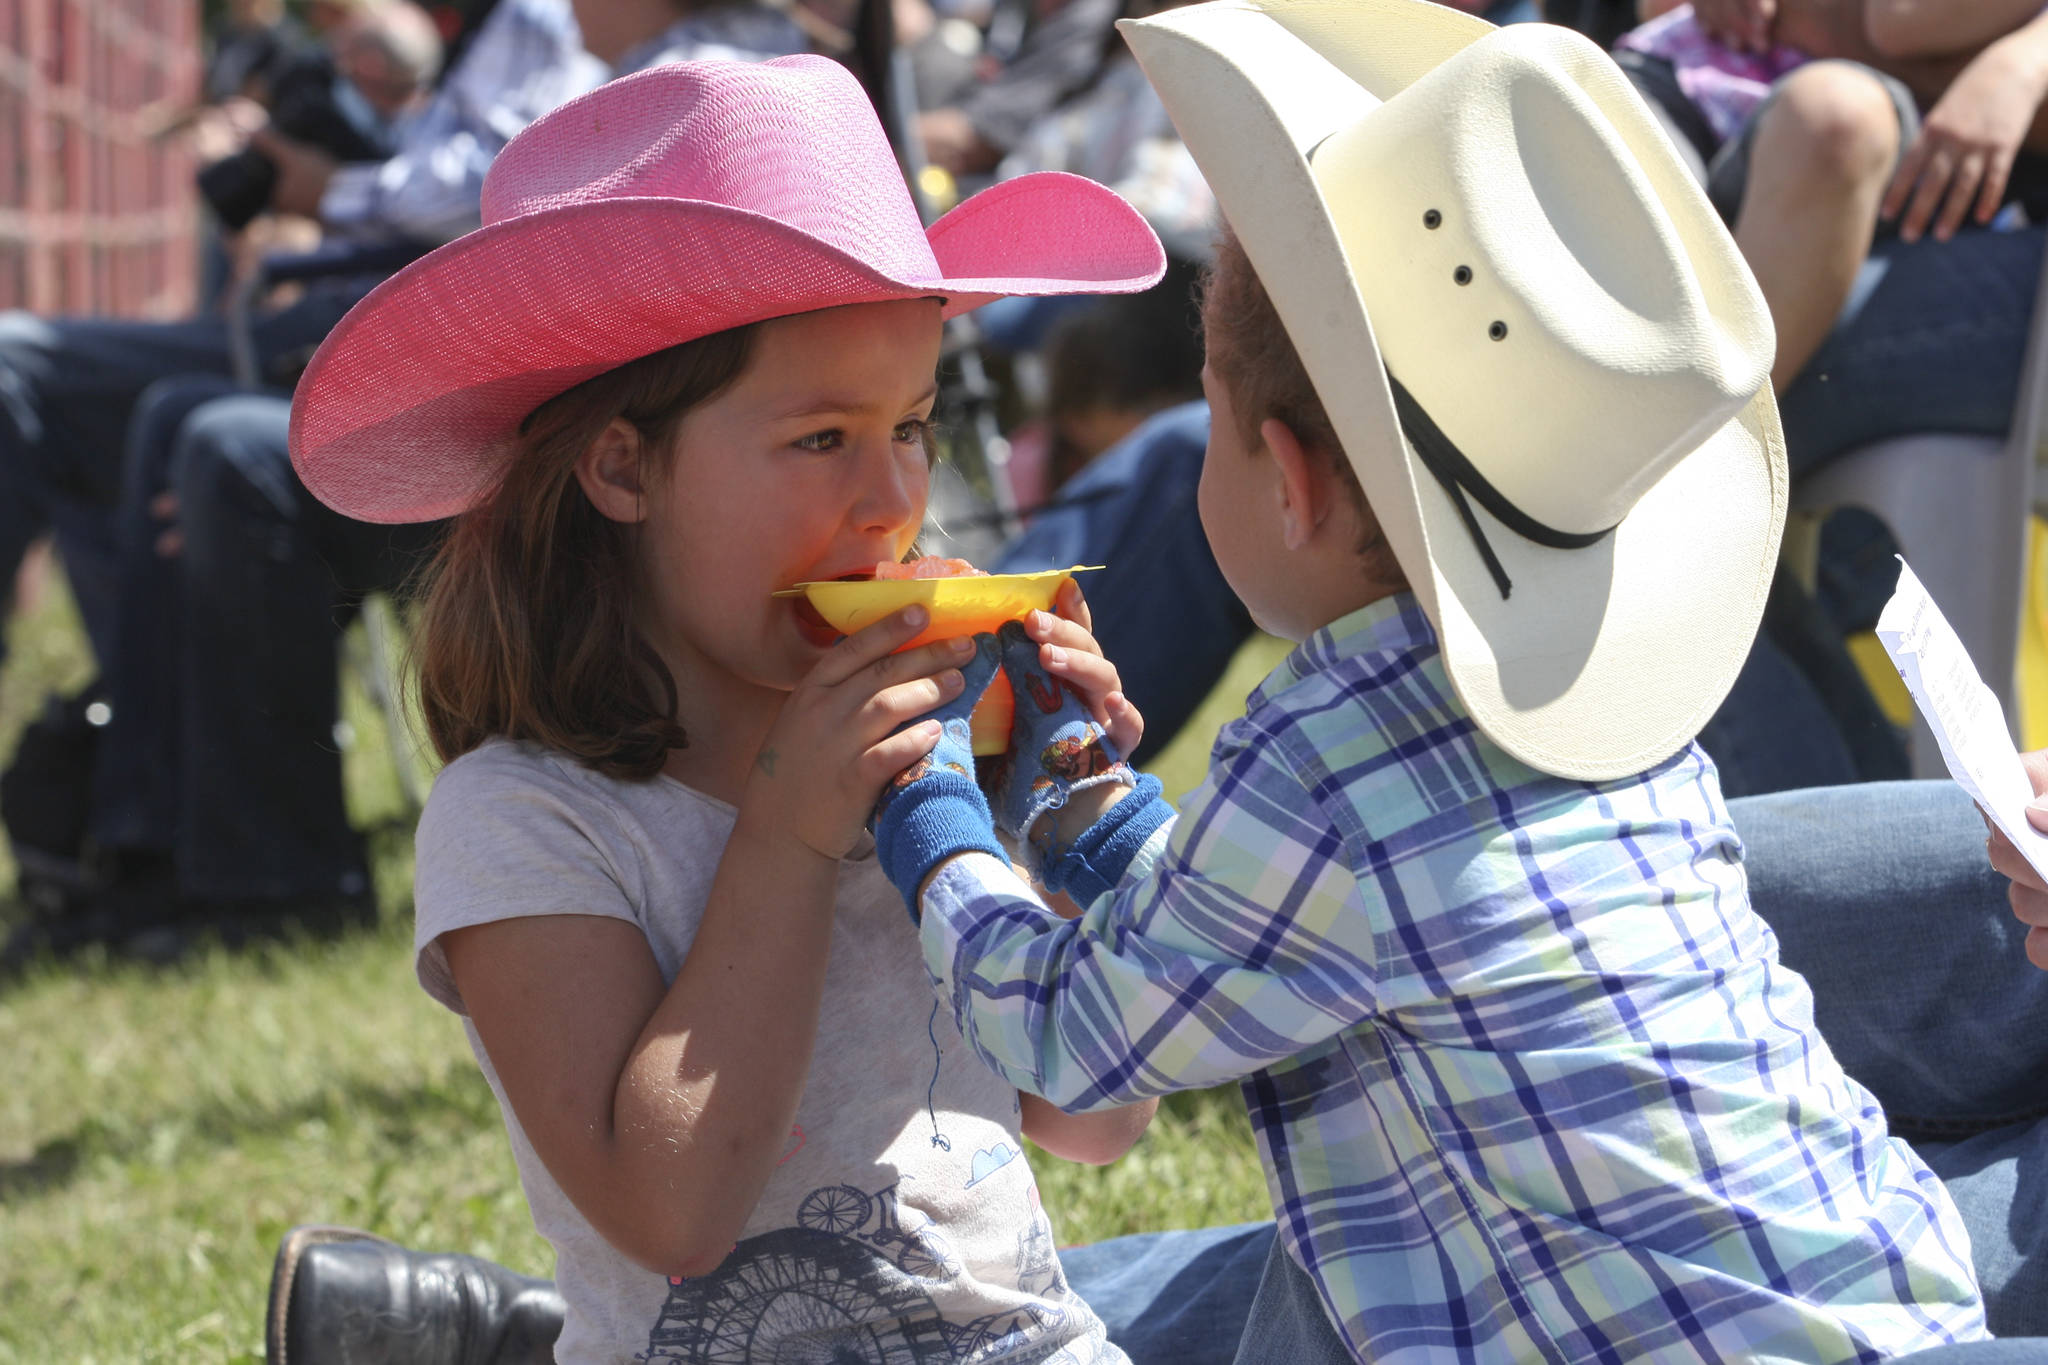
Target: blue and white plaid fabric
<point>1528,1078</point>
<point>527,58</point>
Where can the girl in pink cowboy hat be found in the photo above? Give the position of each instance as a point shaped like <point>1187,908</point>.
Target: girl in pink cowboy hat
<point>688,361</point>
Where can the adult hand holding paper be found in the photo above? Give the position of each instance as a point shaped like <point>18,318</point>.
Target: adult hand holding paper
<point>1969,725</point>
<point>2029,892</point>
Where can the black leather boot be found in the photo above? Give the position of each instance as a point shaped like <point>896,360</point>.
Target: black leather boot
<point>341,1295</point>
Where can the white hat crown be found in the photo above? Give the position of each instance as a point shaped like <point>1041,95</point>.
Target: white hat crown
<point>1527,285</point>
<point>1542,353</point>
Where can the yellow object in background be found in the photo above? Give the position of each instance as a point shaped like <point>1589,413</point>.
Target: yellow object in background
<point>2033,650</point>
<point>2033,654</point>
<point>1885,684</point>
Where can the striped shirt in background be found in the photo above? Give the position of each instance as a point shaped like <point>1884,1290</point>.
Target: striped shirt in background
<point>1529,1081</point>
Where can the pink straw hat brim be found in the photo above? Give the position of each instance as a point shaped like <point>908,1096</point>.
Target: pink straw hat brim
<point>411,405</point>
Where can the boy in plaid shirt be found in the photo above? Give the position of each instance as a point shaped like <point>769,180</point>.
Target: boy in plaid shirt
<point>1459,903</point>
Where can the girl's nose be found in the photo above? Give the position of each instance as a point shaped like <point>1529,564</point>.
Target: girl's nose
<point>893,485</point>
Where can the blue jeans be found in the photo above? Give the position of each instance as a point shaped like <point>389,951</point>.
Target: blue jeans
<point>1173,1298</point>
<point>1931,339</point>
<point>68,387</point>
<point>222,672</point>
<point>1881,897</point>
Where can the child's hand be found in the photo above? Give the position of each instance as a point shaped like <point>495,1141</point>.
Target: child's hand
<point>953,752</point>
<point>837,739</point>
<point>1057,747</point>
<point>933,810</point>
<point>1068,650</point>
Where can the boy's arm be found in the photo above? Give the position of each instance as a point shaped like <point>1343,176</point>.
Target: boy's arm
<point>1246,942</point>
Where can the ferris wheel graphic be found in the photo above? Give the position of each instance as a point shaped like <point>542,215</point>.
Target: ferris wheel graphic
<point>844,1210</point>
<point>800,1296</point>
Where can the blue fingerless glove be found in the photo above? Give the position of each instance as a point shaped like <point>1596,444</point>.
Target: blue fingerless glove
<point>933,810</point>
<point>1096,860</point>
<point>1056,748</point>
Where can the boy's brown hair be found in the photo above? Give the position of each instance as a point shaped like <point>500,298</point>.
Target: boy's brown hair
<point>527,627</point>
<point>1251,354</point>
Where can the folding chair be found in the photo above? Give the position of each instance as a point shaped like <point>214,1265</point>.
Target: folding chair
<point>377,665</point>
<point>1959,507</point>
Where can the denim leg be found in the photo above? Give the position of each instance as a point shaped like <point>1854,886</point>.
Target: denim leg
<point>2015,1352</point>
<point>69,385</point>
<point>1172,1298</point>
<point>1930,339</point>
<point>1999,1181</point>
<point>261,813</point>
<point>1882,898</point>
<point>135,785</point>
<point>1287,1320</point>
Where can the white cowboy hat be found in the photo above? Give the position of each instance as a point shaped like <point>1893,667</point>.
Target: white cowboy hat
<point>1537,343</point>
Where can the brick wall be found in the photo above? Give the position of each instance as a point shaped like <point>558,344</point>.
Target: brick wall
<point>96,216</point>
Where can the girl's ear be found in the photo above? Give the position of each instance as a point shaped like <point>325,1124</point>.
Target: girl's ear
<point>609,470</point>
<point>1301,483</point>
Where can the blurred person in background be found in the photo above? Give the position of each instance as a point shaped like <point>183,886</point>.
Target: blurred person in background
<point>216,804</point>
<point>68,386</point>
<point>1859,149</point>
<point>1804,122</point>
<point>979,109</point>
<point>249,40</point>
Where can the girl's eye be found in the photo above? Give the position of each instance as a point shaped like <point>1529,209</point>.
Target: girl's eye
<point>822,441</point>
<point>913,431</point>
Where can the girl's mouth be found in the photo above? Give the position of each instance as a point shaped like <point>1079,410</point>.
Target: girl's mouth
<point>814,627</point>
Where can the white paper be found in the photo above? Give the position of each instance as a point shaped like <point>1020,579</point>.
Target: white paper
<point>1963,713</point>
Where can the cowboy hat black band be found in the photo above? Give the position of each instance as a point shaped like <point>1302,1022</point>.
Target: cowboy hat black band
<point>1459,476</point>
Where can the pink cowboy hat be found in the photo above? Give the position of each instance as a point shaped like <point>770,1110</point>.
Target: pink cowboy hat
<point>665,206</point>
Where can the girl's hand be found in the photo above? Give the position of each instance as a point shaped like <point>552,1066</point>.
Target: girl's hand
<point>1067,650</point>
<point>1965,150</point>
<point>836,741</point>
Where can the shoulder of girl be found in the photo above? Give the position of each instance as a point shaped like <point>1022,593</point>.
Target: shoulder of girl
<point>500,777</point>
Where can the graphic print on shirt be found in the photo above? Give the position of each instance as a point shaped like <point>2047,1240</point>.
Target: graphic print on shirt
<point>987,1161</point>
<point>931,1027</point>
<point>1038,1265</point>
<point>850,1285</point>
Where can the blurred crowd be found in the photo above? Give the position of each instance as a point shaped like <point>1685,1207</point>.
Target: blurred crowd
<point>1876,161</point>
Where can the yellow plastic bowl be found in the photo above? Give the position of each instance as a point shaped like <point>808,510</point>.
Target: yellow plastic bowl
<point>959,606</point>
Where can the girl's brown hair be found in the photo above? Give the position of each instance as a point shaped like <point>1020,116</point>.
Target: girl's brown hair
<point>527,625</point>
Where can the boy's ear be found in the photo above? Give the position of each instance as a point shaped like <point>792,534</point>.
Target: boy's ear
<point>1302,483</point>
<point>609,470</point>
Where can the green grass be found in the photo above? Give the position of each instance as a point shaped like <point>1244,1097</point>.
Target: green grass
<point>160,1129</point>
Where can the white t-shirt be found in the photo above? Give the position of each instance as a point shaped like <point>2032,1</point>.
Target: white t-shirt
<point>903,1224</point>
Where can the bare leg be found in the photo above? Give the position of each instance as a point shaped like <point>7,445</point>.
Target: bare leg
<point>1824,149</point>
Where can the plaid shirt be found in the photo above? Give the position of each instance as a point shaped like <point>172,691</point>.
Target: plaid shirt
<point>1528,1078</point>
